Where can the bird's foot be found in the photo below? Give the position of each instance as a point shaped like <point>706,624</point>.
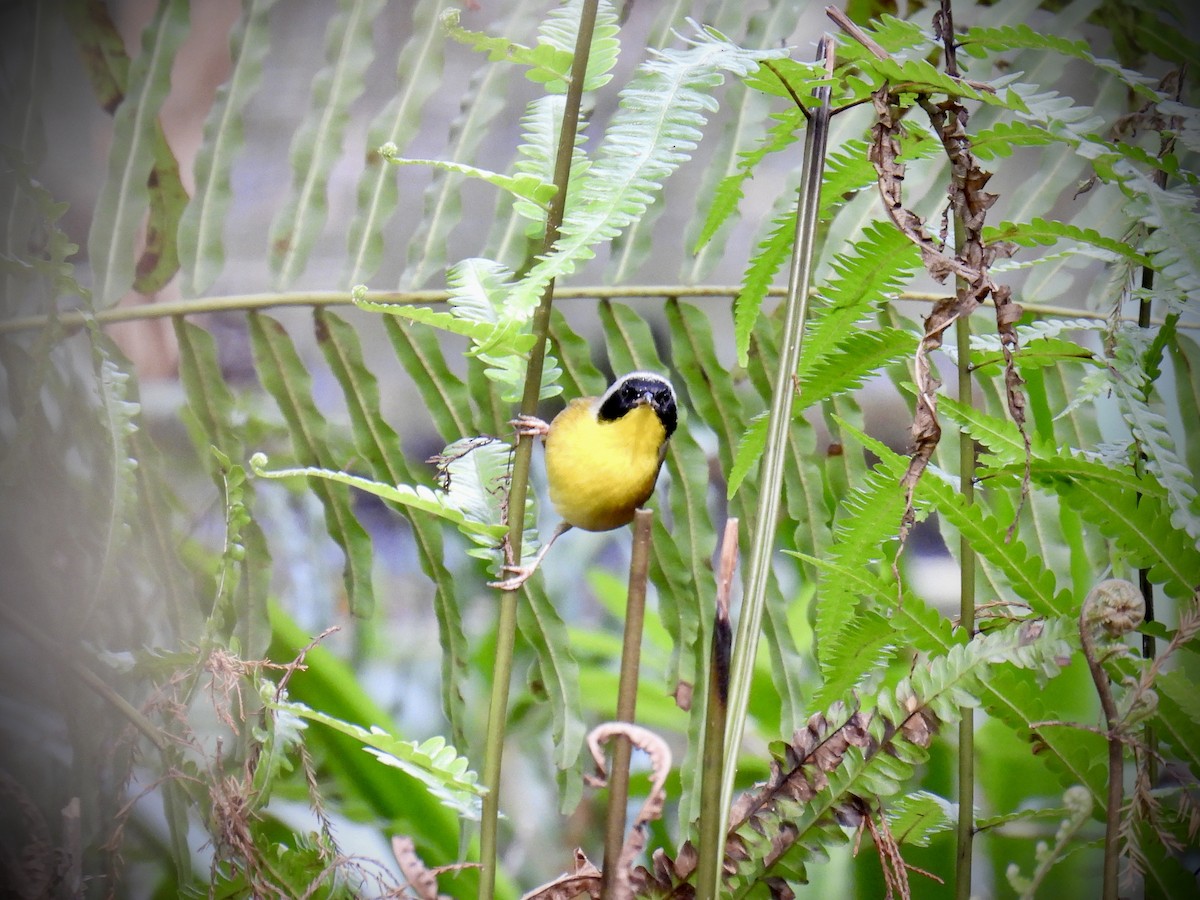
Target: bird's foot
<point>520,575</point>
<point>530,426</point>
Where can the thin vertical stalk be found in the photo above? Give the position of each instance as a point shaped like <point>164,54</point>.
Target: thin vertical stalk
<point>1089,615</point>
<point>966,725</point>
<point>709,869</point>
<point>506,626</point>
<point>771,480</point>
<point>1149,648</point>
<point>631,655</point>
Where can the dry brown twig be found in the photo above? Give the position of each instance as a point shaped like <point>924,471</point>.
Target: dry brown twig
<point>969,201</point>
<point>585,878</point>
<point>660,761</point>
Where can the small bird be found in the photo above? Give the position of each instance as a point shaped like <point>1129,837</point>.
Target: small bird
<point>603,455</point>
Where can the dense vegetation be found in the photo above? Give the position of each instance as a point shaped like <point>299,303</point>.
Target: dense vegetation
<point>959,653</point>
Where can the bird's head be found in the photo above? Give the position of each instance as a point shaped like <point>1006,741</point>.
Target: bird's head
<point>636,389</point>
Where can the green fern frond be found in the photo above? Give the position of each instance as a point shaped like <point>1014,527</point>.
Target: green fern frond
<point>1042,329</point>
<point>286,378</point>
<point>729,191</point>
<point>434,763</point>
<point>1026,574</point>
<point>461,508</point>
<point>555,678</point>
<point>1003,138</point>
<point>770,254</point>
<point>749,451</point>
<point>658,121</point>
<point>1185,357</point>
<point>1144,160</point>
<point>864,277</point>
<point>478,330</point>
<point>479,291</point>
<point>897,35</point>
<point>850,762</point>
<point>317,143</point>
<point>1153,434</point>
<point>915,818</point>
<point>559,31</point>
<point>418,75</point>
<point>380,448</point>
<point>1049,460</point>
<point>1073,755</point>
<point>118,418</point>
<point>1062,118</point>
<point>522,186</point>
<point>1169,216</point>
<point>541,126</point>
<point>442,392</point>
<point>125,197</point>
<point>1177,718</point>
<point>865,644</point>
<point>866,525</point>
<point>980,41</point>
<point>921,76</point>
<point>1035,354</point>
<point>864,273</point>
<point>489,90</point>
<point>201,242</point>
<point>788,78</point>
<point>549,60</point>
<point>1044,232</point>
<point>745,109</point>
<point>1138,523</point>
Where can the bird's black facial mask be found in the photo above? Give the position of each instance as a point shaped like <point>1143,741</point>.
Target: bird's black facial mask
<point>627,394</point>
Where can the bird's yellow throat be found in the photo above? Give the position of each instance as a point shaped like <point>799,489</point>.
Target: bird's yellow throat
<point>601,472</point>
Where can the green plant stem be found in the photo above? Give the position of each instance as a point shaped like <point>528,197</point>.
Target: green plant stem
<point>771,478</point>
<point>506,627</point>
<point>250,302</point>
<point>631,655</point>
<point>709,869</point>
<point>1149,647</point>
<point>966,725</point>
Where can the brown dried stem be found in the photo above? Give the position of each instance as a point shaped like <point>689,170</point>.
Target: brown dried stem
<point>631,651</point>
<point>617,883</point>
<point>969,202</point>
<point>1112,820</point>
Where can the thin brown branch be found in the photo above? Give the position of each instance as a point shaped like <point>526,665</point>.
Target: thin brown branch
<point>1088,621</point>
<point>660,762</point>
<point>631,652</point>
<point>788,87</point>
<point>845,23</point>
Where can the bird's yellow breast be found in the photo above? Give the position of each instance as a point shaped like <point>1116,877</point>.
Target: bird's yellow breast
<point>601,472</point>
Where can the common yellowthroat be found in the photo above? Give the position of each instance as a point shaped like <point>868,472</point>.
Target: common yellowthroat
<point>603,455</point>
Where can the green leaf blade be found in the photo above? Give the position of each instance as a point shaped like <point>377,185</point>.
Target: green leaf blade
<point>285,377</point>
<point>318,140</point>
<point>125,197</point>
<point>201,238</point>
